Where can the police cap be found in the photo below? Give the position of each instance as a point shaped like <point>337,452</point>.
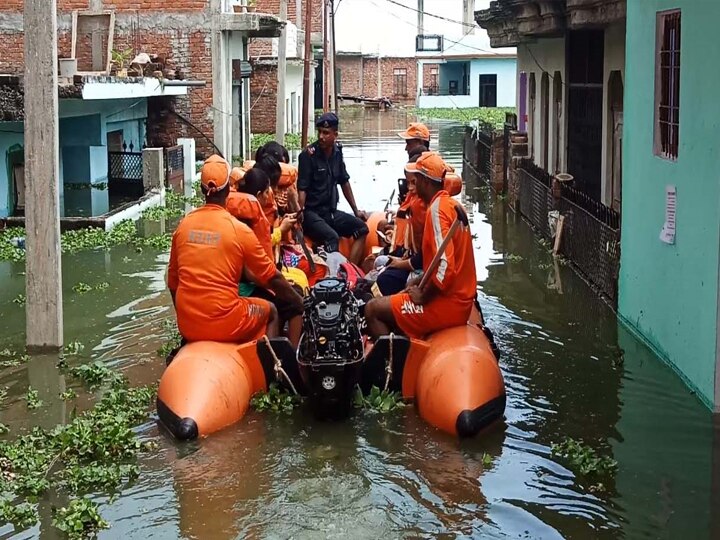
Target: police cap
<point>327,120</point>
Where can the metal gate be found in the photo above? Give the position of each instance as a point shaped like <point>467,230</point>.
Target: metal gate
<point>125,174</point>
<point>175,168</point>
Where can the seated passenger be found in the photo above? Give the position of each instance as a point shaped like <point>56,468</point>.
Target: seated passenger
<point>270,166</point>
<point>449,296</point>
<point>410,223</point>
<point>210,252</point>
<point>285,188</point>
<point>321,170</point>
<point>256,185</point>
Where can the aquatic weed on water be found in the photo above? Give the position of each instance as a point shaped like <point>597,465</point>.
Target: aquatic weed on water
<point>275,400</point>
<point>383,401</point>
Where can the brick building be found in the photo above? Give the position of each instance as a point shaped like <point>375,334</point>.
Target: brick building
<point>194,39</point>
<point>104,111</point>
<point>359,76</point>
<point>263,57</point>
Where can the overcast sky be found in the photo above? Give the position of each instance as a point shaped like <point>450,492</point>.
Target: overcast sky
<point>365,25</point>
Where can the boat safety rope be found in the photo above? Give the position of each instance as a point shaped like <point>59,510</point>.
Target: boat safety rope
<point>279,371</point>
<point>388,366</point>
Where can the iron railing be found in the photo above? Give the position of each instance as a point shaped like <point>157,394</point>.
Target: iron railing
<point>591,231</point>
<point>125,174</point>
<point>478,149</point>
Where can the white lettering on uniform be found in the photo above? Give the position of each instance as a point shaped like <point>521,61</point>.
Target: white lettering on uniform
<point>411,308</point>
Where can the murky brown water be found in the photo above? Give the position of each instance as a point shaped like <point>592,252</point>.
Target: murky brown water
<point>395,477</point>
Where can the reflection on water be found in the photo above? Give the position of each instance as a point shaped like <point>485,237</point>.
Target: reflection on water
<point>394,477</point>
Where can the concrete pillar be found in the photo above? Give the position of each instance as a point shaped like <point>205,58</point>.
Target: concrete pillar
<point>153,168</point>
<point>43,275</point>
<point>189,161</point>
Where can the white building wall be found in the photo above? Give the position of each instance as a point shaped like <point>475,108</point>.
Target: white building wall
<point>504,68</point>
<point>614,61</point>
<point>293,92</point>
<point>545,55</point>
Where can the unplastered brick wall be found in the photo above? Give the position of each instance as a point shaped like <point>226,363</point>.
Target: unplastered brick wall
<point>430,75</point>
<point>263,98</point>
<point>351,82</point>
<point>398,76</point>
<point>177,32</point>
<point>273,7</point>
<point>263,47</point>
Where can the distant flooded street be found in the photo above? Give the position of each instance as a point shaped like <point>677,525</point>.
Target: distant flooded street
<point>394,476</point>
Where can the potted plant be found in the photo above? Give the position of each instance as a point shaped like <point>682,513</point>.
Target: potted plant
<point>239,7</point>
<point>251,6</point>
<point>120,60</point>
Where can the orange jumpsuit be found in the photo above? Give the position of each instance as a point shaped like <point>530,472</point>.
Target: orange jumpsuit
<point>210,249</point>
<point>454,277</point>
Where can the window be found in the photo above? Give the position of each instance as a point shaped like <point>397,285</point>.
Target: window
<point>667,85</point>
<point>425,43</point>
<point>400,82</point>
<point>488,90</point>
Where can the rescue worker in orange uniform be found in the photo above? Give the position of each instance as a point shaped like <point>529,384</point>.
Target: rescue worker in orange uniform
<point>449,296</point>
<point>410,218</point>
<point>209,254</point>
<point>417,140</point>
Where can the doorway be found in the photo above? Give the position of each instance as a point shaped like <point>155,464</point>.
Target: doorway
<point>585,61</point>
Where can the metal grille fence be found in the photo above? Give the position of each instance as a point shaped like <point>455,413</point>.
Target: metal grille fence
<point>125,174</point>
<point>591,230</point>
<point>478,149</point>
<point>174,168</point>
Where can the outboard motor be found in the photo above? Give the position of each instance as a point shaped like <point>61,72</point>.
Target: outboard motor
<point>330,354</point>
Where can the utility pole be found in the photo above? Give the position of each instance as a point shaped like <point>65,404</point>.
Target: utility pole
<point>282,71</point>
<point>326,58</point>
<point>306,72</point>
<point>335,84</point>
<point>43,275</point>
<point>421,13</point>
<point>379,75</point>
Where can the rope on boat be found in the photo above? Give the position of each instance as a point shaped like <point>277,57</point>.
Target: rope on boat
<point>279,371</point>
<point>388,366</point>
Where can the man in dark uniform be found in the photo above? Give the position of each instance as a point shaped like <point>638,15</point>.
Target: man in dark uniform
<point>321,169</point>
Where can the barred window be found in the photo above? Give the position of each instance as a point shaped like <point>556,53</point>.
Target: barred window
<point>667,85</point>
<point>400,82</point>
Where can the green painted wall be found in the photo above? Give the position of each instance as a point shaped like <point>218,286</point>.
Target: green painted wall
<point>669,292</point>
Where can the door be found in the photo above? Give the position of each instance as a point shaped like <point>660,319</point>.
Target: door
<point>19,183</point>
<point>585,109</point>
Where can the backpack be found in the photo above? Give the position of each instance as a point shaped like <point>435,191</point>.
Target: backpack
<point>351,273</point>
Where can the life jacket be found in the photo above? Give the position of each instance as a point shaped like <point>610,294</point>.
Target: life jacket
<point>288,181</point>
<point>453,183</point>
<point>246,208</point>
<point>402,224</point>
<point>270,208</point>
<point>351,273</point>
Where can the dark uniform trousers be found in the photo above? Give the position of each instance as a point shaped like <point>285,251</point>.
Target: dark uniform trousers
<point>326,227</point>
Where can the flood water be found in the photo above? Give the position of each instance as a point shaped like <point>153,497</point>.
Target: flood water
<point>394,476</point>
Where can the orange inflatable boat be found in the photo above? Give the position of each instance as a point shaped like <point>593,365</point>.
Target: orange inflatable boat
<point>208,385</point>
<point>453,376</point>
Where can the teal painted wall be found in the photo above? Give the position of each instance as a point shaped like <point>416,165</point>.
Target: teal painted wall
<point>669,292</point>
<point>83,129</point>
<point>10,135</point>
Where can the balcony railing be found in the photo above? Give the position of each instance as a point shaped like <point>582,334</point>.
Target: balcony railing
<point>437,91</point>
